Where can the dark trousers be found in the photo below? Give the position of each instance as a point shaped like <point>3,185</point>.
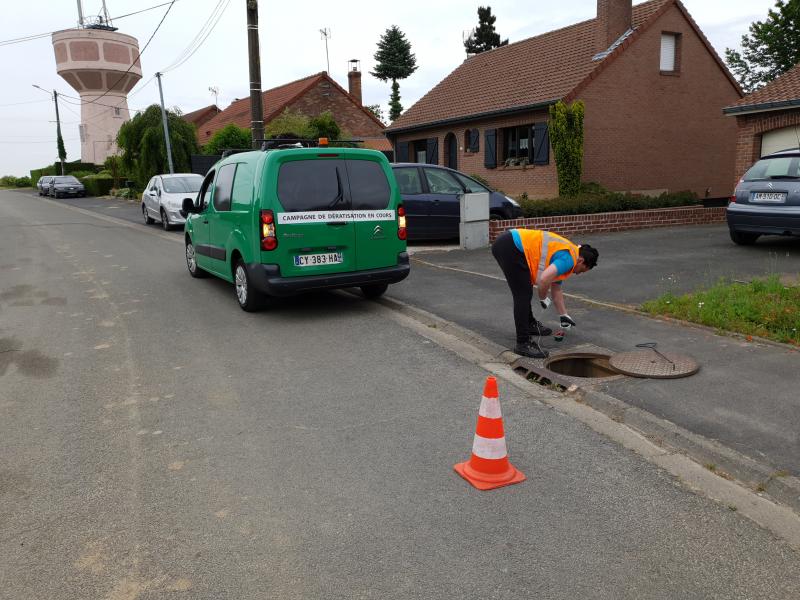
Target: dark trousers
<point>512,261</point>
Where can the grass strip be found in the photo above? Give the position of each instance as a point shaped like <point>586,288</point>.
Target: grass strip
<point>765,308</point>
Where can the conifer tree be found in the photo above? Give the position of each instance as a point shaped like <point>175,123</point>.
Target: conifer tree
<point>484,37</point>
<point>394,60</point>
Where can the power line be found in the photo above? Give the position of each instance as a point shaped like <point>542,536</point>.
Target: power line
<point>20,103</point>
<point>197,42</point>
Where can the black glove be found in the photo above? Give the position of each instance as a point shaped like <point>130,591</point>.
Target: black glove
<point>567,322</point>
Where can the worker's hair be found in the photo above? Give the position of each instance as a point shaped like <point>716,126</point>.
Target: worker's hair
<point>589,255</point>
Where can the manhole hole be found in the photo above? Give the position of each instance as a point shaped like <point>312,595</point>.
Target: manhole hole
<point>581,365</point>
<point>654,364</point>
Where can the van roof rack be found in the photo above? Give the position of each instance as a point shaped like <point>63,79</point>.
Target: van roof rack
<point>229,151</point>
<point>283,143</point>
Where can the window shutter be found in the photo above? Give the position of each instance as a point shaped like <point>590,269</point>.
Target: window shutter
<point>432,151</point>
<point>490,148</point>
<point>402,151</point>
<point>668,51</point>
<point>474,140</point>
<point>541,143</point>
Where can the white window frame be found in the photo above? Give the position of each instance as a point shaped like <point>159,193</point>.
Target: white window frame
<point>668,60</point>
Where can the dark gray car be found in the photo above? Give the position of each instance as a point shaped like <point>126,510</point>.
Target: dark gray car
<point>767,199</point>
<point>66,185</point>
<point>43,185</point>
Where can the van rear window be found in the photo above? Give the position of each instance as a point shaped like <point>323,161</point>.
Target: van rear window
<point>307,185</point>
<point>369,188</point>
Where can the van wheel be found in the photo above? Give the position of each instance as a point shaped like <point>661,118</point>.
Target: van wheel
<point>742,238</point>
<point>191,262</point>
<point>249,298</point>
<point>165,221</point>
<point>374,291</point>
<point>147,219</point>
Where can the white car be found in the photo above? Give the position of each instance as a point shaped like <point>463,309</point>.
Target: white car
<point>162,199</point>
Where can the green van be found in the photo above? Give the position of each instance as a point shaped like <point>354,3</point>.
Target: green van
<point>290,220</point>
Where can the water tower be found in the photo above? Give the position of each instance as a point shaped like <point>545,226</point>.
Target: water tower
<point>102,65</point>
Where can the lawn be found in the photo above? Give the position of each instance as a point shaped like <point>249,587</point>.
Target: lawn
<point>765,308</point>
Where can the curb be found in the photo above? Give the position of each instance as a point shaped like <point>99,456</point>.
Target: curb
<point>727,463</point>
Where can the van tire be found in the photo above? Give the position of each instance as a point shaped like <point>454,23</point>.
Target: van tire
<point>148,220</point>
<point>375,290</point>
<point>191,262</point>
<point>248,297</point>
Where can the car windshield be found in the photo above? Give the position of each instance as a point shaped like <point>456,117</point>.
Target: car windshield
<point>179,185</point>
<point>780,167</point>
<point>68,179</point>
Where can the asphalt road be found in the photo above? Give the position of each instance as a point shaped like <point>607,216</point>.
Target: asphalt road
<point>157,441</point>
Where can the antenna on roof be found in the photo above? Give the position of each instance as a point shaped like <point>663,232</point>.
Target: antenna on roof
<point>214,92</point>
<point>326,35</point>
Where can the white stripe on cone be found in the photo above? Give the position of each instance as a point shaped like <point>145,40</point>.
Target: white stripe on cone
<point>490,408</point>
<point>489,448</point>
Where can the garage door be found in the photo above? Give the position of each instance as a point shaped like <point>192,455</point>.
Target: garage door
<point>780,139</point>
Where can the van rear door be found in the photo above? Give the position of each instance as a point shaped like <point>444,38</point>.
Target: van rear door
<point>315,232</point>
<point>374,213</point>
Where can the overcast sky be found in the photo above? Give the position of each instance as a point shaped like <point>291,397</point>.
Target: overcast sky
<point>291,48</point>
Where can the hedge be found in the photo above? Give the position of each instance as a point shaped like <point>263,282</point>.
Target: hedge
<point>69,169</point>
<point>15,182</point>
<point>98,185</point>
<point>593,199</point>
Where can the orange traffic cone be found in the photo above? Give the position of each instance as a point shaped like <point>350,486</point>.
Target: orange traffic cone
<point>489,467</point>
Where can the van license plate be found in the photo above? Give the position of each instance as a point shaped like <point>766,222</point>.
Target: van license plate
<point>768,197</point>
<point>311,260</point>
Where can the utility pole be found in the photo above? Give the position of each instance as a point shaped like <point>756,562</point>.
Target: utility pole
<point>166,126</point>
<point>59,139</point>
<point>256,108</point>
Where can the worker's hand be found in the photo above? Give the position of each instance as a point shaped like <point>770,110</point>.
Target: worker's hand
<point>545,303</point>
<point>567,322</point>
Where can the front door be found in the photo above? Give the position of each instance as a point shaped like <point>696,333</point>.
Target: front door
<point>452,151</point>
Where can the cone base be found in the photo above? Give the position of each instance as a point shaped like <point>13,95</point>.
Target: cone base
<point>489,482</point>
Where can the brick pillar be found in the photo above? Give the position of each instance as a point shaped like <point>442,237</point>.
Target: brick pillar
<point>614,17</point>
<point>354,83</point>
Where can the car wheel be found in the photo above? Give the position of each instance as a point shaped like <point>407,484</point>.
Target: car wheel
<point>742,238</point>
<point>191,262</point>
<point>148,220</point>
<point>249,298</point>
<point>375,290</point>
<point>165,220</point>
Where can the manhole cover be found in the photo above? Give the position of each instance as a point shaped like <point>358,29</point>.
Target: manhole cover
<point>656,365</point>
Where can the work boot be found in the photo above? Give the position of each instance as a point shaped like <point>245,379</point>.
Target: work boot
<point>531,350</point>
<point>537,328</point>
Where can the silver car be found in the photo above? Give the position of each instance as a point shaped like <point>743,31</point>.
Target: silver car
<point>767,199</point>
<point>43,185</point>
<point>162,199</point>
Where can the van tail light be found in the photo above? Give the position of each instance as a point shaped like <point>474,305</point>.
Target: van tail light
<point>269,240</point>
<point>732,200</point>
<point>401,222</point>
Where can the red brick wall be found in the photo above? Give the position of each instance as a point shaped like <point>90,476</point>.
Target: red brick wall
<point>750,129</point>
<point>538,181</point>
<point>347,115</point>
<point>613,221</point>
<point>651,131</point>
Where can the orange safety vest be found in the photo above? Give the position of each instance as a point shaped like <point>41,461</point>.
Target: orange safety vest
<point>539,247</point>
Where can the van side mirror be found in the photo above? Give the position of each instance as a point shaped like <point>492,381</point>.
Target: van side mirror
<point>187,208</point>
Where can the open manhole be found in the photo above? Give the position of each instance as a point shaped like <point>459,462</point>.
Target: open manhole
<point>582,364</point>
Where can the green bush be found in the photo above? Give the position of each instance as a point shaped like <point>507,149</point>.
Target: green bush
<point>566,137</point>
<point>15,182</point>
<point>592,198</point>
<point>98,185</point>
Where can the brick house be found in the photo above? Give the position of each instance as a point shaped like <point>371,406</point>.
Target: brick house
<point>309,96</point>
<point>768,120</point>
<point>652,84</point>
<point>201,116</point>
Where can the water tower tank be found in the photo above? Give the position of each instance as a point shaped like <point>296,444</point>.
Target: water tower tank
<point>102,66</point>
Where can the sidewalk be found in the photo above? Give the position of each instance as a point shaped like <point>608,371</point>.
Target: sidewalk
<point>745,395</point>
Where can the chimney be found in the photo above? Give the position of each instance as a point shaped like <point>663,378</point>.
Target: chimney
<point>354,79</point>
<point>614,17</point>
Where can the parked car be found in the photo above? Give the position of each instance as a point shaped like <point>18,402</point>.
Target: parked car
<point>290,220</point>
<point>43,185</point>
<point>162,199</point>
<point>431,198</point>
<point>66,185</point>
<point>767,199</point>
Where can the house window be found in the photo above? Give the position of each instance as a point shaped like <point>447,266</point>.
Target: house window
<point>471,140</point>
<point>117,111</point>
<point>420,150</point>
<point>517,142</point>
<point>670,53</point>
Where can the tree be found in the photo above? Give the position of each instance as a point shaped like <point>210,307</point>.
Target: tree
<point>566,136</point>
<point>113,164</point>
<point>230,136</point>
<point>376,110</point>
<point>324,125</point>
<point>770,49</point>
<point>394,61</point>
<point>483,37</point>
<point>288,122</point>
<point>144,151</point>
